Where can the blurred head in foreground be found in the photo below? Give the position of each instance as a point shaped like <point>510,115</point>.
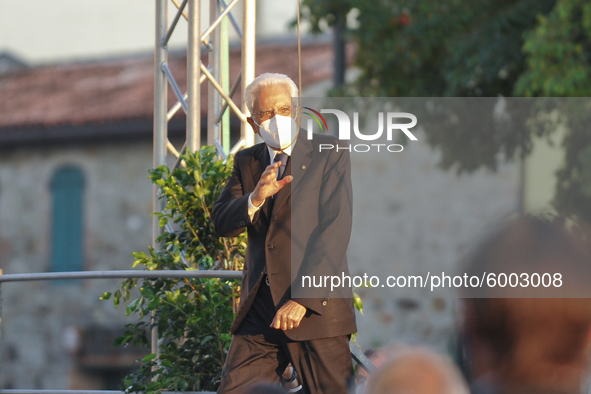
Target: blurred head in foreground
<point>417,370</point>
<point>532,345</point>
<point>377,357</point>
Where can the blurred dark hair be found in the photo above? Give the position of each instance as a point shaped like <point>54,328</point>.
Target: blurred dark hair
<point>526,336</point>
<point>533,246</point>
<point>264,388</point>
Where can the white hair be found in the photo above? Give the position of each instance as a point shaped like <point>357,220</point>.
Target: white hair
<point>252,91</point>
<point>417,370</point>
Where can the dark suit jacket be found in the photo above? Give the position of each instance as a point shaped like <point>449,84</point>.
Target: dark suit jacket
<point>321,203</point>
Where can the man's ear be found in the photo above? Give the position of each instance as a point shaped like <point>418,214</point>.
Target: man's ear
<point>252,124</point>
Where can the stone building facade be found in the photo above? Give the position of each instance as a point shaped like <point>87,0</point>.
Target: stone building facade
<point>48,327</point>
<point>409,218</point>
<point>94,120</point>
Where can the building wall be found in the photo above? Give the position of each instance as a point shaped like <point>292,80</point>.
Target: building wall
<point>540,172</point>
<point>410,217</point>
<point>41,319</point>
<point>407,212</point>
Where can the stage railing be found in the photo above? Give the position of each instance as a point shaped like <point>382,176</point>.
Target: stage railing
<point>356,353</point>
<point>18,391</point>
<point>117,274</point>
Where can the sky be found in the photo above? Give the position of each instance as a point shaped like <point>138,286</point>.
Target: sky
<point>53,31</point>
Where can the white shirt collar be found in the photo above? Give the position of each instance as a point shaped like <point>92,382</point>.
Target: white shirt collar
<point>273,152</point>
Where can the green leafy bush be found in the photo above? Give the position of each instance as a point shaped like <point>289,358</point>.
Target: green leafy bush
<point>193,316</point>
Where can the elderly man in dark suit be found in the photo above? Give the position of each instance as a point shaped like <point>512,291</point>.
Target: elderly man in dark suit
<point>279,321</point>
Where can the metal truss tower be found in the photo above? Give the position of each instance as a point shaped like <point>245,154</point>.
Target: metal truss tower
<point>213,39</point>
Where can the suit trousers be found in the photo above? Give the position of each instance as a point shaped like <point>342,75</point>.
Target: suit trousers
<point>259,353</point>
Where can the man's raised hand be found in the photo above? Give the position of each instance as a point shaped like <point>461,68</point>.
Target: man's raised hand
<point>268,185</point>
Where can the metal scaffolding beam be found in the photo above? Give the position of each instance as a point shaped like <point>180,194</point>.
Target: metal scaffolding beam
<point>160,122</point>
<point>216,74</point>
<point>193,71</point>
<point>248,60</point>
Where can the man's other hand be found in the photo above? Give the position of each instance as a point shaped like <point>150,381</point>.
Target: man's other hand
<point>268,185</point>
<point>288,316</point>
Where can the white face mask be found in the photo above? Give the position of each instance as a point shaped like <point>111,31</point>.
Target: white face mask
<point>279,132</point>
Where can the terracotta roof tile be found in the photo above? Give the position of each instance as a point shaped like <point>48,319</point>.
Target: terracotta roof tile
<point>122,89</point>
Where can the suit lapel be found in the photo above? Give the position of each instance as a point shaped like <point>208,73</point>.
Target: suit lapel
<point>260,162</point>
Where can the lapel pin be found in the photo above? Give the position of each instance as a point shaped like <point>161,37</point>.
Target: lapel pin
<point>303,167</point>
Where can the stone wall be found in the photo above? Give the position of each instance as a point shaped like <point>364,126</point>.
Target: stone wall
<point>411,217</point>
<point>41,319</point>
<point>407,213</point>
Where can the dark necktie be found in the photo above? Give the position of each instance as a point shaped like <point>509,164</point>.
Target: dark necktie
<point>280,172</point>
<point>283,158</point>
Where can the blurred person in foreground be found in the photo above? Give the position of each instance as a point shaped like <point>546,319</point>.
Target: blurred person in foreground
<point>416,370</point>
<point>377,357</point>
<point>264,388</point>
<point>531,345</point>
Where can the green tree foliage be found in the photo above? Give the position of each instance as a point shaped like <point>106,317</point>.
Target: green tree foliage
<point>193,316</point>
<point>442,48</point>
<point>559,64</point>
<point>484,48</point>
<point>559,53</point>
<point>316,11</point>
